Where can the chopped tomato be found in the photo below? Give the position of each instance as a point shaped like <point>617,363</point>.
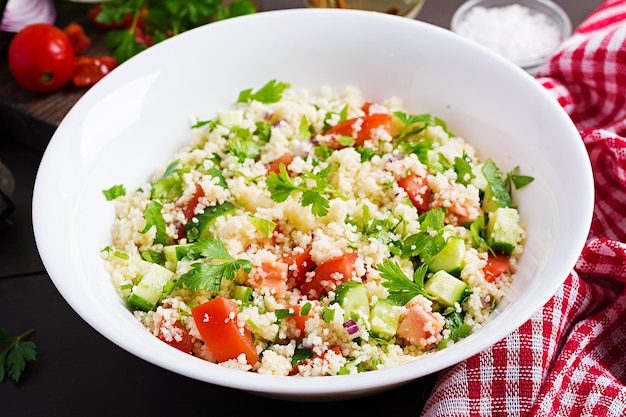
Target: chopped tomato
<point>272,275</point>
<point>216,321</point>
<point>189,206</point>
<point>309,362</point>
<point>76,34</point>
<point>88,70</point>
<point>284,159</point>
<point>496,266</point>
<point>360,128</point>
<point>298,265</point>
<point>418,325</point>
<point>298,320</point>
<point>416,186</point>
<point>185,344</point>
<point>328,275</point>
<point>366,107</point>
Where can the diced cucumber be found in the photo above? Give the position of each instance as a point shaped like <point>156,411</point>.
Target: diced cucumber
<point>242,293</point>
<point>503,231</point>
<point>230,118</point>
<point>384,318</point>
<point>450,258</point>
<point>446,289</point>
<point>198,227</point>
<point>352,297</point>
<point>174,253</point>
<point>147,293</point>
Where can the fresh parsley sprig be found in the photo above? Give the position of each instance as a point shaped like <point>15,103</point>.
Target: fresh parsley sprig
<point>208,276</point>
<point>400,287</point>
<point>15,354</point>
<point>281,186</point>
<point>144,22</point>
<point>271,92</point>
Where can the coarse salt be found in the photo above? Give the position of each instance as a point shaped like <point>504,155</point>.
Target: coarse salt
<point>515,32</point>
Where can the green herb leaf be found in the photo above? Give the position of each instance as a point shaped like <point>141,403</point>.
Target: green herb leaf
<point>328,314</point>
<point>463,170</point>
<point>124,44</point>
<point>271,92</point>
<point>15,354</point>
<point>300,355</point>
<point>154,217</point>
<point>496,183</point>
<point>304,132</point>
<point>170,185</point>
<point>516,180</point>
<point>400,287</point>
<point>208,276</point>
<point>237,8</point>
<point>266,227</point>
<point>114,192</point>
<point>281,186</point>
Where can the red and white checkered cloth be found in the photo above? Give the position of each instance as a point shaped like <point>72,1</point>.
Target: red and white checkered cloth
<point>569,359</point>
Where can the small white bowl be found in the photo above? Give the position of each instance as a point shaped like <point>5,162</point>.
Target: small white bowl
<point>137,117</point>
<point>527,32</point>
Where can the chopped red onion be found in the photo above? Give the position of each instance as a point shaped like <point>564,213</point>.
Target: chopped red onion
<point>352,328</point>
<point>20,13</point>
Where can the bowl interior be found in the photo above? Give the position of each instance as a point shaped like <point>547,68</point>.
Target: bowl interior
<point>139,115</point>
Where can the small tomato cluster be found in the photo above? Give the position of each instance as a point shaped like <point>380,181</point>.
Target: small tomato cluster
<point>43,58</point>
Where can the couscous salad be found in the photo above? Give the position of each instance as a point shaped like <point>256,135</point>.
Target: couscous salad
<point>316,234</point>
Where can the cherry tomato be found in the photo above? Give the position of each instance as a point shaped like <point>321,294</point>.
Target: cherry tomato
<point>41,58</point>
<point>88,70</point>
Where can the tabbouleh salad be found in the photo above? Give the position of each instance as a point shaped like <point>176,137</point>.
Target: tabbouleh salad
<point>316,234</point>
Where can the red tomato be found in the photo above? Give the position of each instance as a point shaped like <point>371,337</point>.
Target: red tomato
<point>298,320</point>
<point>496,266</point>
<point>88,70</point>
<point>185,344</point>
<point>418,325</point>
<point>216,321</point>
<point>76,34</point>
<point>284,159</point>
<point>367,124</point>
<point>298,264</point>
<point>416,187</point>
<point>328,275</point>
<point>272,275</point>
<point>190,205</point>
<point>41,58</point>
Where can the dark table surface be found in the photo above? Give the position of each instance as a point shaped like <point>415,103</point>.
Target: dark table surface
<point>78,371</point>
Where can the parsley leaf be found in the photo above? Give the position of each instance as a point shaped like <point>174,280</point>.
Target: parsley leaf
<point>500,193</point>
<point>429,241</point>
<point>271,92</point>
<point>154,217</point>
<point>281,186</point>
<point>115,191</point>
<point>300,355</point>
<point>15,354</point>
<point>463,170</point>
<point>170,185</point>
<point>514,179</point>
<point>208,276</point>
<point>401,288</point>
<point>160,20</point>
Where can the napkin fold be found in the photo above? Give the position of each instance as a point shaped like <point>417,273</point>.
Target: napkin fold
<point>569,359</point>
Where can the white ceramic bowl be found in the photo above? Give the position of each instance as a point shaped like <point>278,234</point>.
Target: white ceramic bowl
<point>138,116</point>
